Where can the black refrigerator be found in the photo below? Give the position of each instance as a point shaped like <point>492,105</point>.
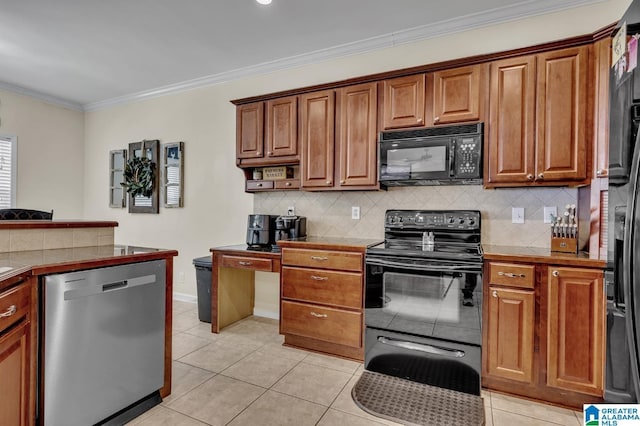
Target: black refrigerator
<point>622,377</point>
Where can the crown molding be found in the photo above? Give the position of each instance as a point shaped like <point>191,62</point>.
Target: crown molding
<point>41,96</point>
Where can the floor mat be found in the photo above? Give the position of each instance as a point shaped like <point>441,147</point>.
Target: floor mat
<point>412,403</point>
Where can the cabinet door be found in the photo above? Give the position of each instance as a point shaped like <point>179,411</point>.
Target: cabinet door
<point>317,139</point>
<point>249,130</point>
<point>282,127</point>
<point>457,94</point>
<point>575,329</point>
<point>512,120</point>
<point>14,376</point>
<point>509,351</point>
<point>403,103</point>
<point>356,143</point>
<point>561,115</point>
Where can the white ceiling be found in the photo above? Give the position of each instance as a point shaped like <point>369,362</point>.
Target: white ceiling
<point>88,53</point>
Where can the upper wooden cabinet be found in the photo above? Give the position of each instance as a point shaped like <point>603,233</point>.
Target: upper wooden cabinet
<point>346,158</point>
<point>458,94</point>
<point>274,141</point>
<point>403,102</point>
<point>538,129</point>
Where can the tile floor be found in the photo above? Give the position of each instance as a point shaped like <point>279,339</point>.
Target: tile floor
<point>244,376</point>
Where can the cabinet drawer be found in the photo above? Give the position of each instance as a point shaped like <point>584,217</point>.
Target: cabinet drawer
<point>324,259</point>
<point>252,263</point>
<point>327,324</point>
<point>320,286</point>
<point>287,184</point>
<point>14,305</point>
<point>512,275</point>
<point>254,185</point>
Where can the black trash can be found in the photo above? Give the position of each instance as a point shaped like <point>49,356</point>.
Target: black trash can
<point>203,280</point>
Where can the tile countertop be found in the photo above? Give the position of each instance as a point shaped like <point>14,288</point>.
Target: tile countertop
<point>40,262</point>
<point>540,255</point>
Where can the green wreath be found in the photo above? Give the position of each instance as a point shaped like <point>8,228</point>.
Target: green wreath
<point>138,176</point>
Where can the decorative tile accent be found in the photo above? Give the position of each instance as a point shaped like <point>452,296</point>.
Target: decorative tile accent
<point>329,213</point>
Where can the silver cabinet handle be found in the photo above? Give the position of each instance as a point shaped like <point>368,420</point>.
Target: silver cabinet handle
<point>555,273</point>
<point>511,275</point>
<point>287,184</point>
<point>319,258</point>
<point>436,119</point>
<point>317,278</point>
<point>10,311</point>
<point>601,172</point>
<point>494,294</point>
<point>244,263</point>
<point>313,314</point>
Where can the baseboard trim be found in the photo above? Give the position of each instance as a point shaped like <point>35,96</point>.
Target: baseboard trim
<point>266,314</point>
<point>184,297</point>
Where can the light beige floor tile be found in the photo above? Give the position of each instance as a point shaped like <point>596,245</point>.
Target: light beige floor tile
<point>184,321</point>
<point>203,330</point>
<point>161,416</point>
<point>313,383</point>
<point>277,409</point>
<point>276,350</point>
<point>184,378</point>
<point>344,403</point>
<point>219,355</point>
<point>252,330</point>
<point>505,418</point>
<point>543,412</point>
<point>259,369</point>
<point>334,417</point>
<point>180,306</point>
<point>218,400</point>
<point>332,362</point>
<point>579,416</point>
<point>184,344</point>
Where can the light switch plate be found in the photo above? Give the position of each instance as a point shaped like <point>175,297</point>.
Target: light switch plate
<point>548,212</point>
<point>355,212</point>
<point>517,214</point>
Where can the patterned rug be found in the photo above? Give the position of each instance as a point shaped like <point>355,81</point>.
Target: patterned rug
<point>412,403</point>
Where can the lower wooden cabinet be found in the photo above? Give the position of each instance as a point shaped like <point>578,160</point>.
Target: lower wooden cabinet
<point>543,332</point>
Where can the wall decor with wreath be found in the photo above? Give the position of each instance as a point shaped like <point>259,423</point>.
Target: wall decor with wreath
<point>140,176</point>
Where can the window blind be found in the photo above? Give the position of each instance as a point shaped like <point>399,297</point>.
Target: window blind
<point>7,171</point>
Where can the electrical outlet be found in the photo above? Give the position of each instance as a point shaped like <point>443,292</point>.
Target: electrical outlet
<point>355,212</point>
<point>549,212</point>
<point>517,214</point>
<point>291,211</point>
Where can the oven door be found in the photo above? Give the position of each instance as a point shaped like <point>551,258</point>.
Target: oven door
<point>417,159</point>
<point>423,321</point>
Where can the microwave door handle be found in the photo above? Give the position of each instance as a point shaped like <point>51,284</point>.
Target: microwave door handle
<point>452,158</point>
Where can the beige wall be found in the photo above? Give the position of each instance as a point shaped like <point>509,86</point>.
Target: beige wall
<point>50,170</point>
<point>216,207</point>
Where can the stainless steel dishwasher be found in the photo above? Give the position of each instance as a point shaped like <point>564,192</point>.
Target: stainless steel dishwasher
<point>103,342</point>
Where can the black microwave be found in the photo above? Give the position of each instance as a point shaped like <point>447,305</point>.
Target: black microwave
<point>432,156</point>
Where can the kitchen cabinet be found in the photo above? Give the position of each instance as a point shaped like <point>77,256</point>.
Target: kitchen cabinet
<point>403,102</point>
<point>538,119</point>
<point>575,329</point>
<point>273,141</point>
<point>338,139</point>
<point>322,300</point>
<point>17,354</point>
<point>458,94</point>
<point>544,331</point>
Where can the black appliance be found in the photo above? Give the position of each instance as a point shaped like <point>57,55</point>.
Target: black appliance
<point>290,228</point>
<point>423,299</point>
<point>622,378</point>
<point>442,155</point>
<point>261,230</point>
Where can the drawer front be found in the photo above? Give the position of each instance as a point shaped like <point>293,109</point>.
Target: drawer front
<point>287,184</point>
<point>324,259</point>
<point>253,263</point>
<point>512,275</point>
<point>327,324</point>
<point>255,185</point>
<point>14,305</point>
<point>342,289</point>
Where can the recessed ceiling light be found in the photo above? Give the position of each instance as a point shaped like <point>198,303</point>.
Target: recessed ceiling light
<point>264,1</point>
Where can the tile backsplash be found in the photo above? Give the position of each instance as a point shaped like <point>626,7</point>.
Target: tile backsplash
<point>329,213</point>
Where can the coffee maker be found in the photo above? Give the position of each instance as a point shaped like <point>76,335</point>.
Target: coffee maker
<point>291,228</point>
<point>261,230</point>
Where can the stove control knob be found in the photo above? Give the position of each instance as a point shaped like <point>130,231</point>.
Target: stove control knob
<point>450,219</point>
<point>471,221</point>
<point>461,220</point>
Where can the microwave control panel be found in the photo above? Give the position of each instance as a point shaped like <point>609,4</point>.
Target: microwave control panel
<point>468,158</point>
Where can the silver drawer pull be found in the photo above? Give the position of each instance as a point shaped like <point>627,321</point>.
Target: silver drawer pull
<point>511,275</point>
<point>317,278</point>
<point>319,258</point>
<point>10,311</point>
<point>495,293</point>
<point>313,314</point>
<point>244,263</point>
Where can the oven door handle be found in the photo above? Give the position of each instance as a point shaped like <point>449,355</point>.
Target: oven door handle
<point>435,267</point>
<point>421,347</point>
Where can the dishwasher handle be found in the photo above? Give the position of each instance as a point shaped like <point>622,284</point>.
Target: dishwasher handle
<point>114,286</point>
<point>90,290</point>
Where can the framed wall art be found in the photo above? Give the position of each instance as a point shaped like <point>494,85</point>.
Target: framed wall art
<point>173,174</point>
<point>141,177</point>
